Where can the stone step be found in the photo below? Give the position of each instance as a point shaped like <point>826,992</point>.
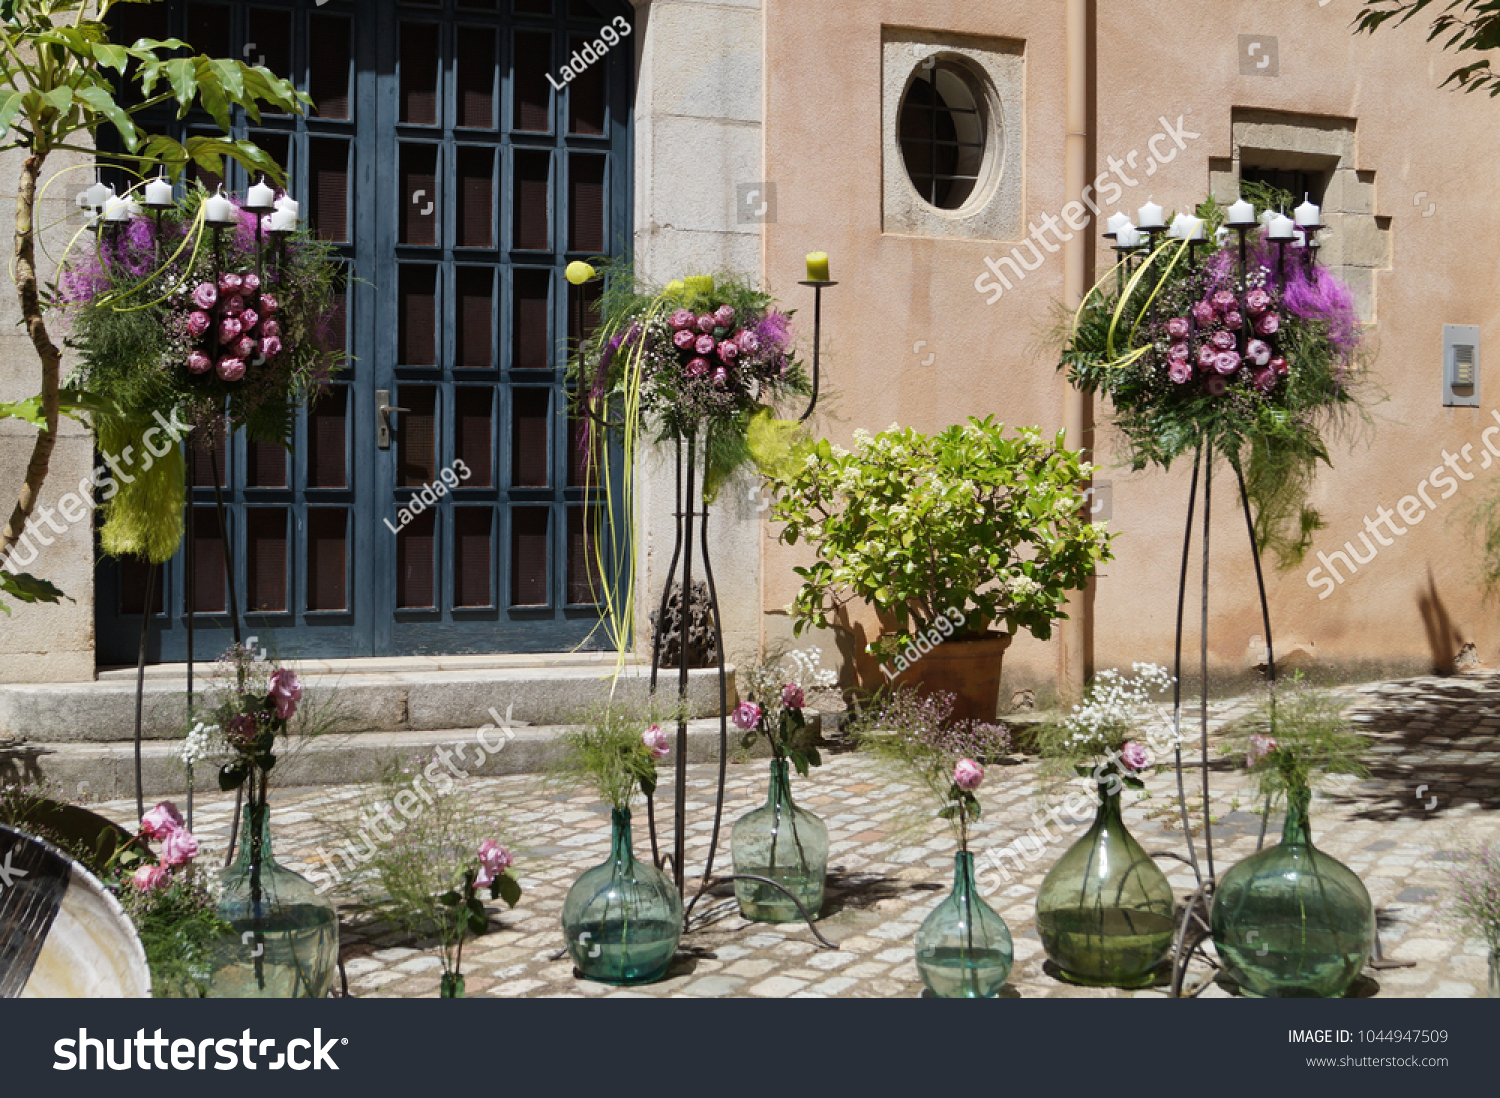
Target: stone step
<point>358,696</point>
<point>106,771</point>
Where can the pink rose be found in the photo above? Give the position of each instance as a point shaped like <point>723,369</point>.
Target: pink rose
<point>707,324</point>
<point>791,696</point>
<point>1203,313</point>
<point>268,305</point>
<point>1258,351</point>
<point>1233,321</point>
<point>697,367</point>
<point>704,345</point>
<point>1227,362</point>
<point>1224,341</point>
<point>1178,328</point>
<point>1179,352</point>
<point>967,775</point>
<point>721,377</point>
<point>234,305</point>
<point>729,350</point>
<point>270,328</point>
<point>682,320</point>
<point>245,348</point>
<point>724,316</point>
<point>1265,380</point>
<point>270,346</point>
<point>1268,325</point>
<point>1279,364</point>
<point>1206,355</point>
<point>684,340</point>
<point>1216,385</point>
<point>749,342</point>
<point>230,283</point>
<point>1223,301</point>
<point>205,295</point>
<point>198,362</point>
<point>243,729</point>
<point>1260,747</point>
<point>1180,372</point>
<point>178,848</point>
<point>229,329</point>
<point>231,369</point>
<point>656,742</point>
<point>161,821</point>
<point>249,319</point>
<point>148,877</point>
<point>494,860</point>
<point>1135,756</point>
<point>1257,301</point>
<point>747,716</point>
<point>198,322</point>
<point>286,691</point>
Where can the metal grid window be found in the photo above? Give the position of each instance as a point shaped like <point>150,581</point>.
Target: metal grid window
<point>942,131</point>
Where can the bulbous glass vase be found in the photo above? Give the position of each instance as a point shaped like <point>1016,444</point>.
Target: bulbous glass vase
<point>964,949</point>
<point>1104,911</point>
<point>1291,921</point>
<point>623,918</point>
<point>784,843</point>
<point>286,936</point>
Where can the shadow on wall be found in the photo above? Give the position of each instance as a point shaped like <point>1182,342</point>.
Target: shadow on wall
<point>1442,636</point>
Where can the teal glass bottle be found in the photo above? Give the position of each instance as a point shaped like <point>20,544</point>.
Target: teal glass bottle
<point>285,943</point>
<point>784,843</point>
<point>1291,921</point>
<point>964,949</point>
<point>1104,911</point>
<point>622,919</point>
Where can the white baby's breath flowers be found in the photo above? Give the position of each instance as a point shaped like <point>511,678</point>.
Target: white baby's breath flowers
<point>807,669</point>
<point>204,742</point>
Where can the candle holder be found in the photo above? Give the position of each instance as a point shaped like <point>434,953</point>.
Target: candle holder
<point>818,287</point>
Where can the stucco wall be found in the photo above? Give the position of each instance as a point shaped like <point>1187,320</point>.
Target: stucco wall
<point>1417,601</point>
<point>45,643</point>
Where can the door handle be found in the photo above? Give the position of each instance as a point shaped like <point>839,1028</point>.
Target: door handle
<point>383,410</point>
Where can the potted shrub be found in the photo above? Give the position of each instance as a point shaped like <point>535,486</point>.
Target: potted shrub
<point>958,540</point>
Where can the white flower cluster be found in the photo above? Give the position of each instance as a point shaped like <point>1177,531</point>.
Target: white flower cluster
<point>204,742</point>
<point>1117,706</point>
<point>807,669</point>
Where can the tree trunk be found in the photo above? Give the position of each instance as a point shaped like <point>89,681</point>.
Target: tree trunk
<point>31,312</point>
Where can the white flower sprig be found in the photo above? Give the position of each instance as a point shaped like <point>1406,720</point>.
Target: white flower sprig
<point>1116,709</point>
<point>204,742</point>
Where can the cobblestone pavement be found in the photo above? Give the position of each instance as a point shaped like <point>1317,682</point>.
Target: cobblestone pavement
<point>1433,784</point>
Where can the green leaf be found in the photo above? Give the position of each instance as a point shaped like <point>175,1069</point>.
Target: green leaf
<point>8,109</point>
<point>812,756</point>
<point>27,588</point>
<point>230,77</point>
<point>183,74</point>
<point>648,784</point>
<point>29,409</point>
<point>478,924</point>
<point>799,760</point>
<point>948,812</point>
<point>100,101</point>
<point>111,56</point>
<point>233,775</point>
<point>450,899</point>
<point>509,888</point>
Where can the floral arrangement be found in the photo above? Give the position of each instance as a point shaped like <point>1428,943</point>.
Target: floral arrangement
<point>1254,360</point>
<point>235,326</point>
<point>971,525</point>
<point>464,912</point>
<point>1473,902</point>
<point>773,709</point>
<point>1117,732</point>
<point>701,359</point>
<point>251,705</point>
<point>610,751</point>
<point>1296,734</point>
<point>946,757</point>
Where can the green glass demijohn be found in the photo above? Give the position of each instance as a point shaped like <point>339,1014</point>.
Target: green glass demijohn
<point>622,919</point>
<point>1104,911</point>
<point>964,949</point>
<point>285,943</point>
<point>1291,921</point>
<point>784,843</point>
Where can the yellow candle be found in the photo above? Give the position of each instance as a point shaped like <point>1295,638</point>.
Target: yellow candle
<point>675,288</point>
<point>817,267</point>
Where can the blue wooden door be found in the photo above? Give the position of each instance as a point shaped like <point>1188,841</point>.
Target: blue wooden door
<point>456,172</point>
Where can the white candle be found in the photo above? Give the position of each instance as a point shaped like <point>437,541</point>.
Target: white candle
<point>219,210</point>
<point>159,192</point>
<point>1281,227</point>
<point>1186,227</point>
<point>284,220</point>
<point>1116,222</point>
<point>1309,213</point>
<point>261,196</point>
<point>1241,213</point>
<point>120,209</point>
<point>94,198</point>
<point>1128,236</point>
<point>1150,216</point>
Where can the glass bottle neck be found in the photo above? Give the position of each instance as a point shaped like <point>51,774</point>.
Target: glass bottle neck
<point>1109,804</point>
<point>963,876</point>
<point>621,849</point>
<point>780,791</point>
<point>255,835</point>
<point>1297,831</point>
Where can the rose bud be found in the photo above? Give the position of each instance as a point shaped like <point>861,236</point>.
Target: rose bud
<point>1279,365</point>
<point>1227,362</point>
<point>270,346</point>
<point>270,328</point>
<point>724,315</point>
<point>230,283</point>
<point>234,305</point>
<point>268,305</point>
<point>749,342</point>
<point>231,369</point>
<point>249,319</point>
<point>198,362</point>
<point>705,345</point>
<point>706,324</point>
<point>1258,351</point>
<point>682,320</point>
<point>250,283</point>
<point>697,367</point>
<point>205,295</point>
<point>684,340</point>
<point>245,348</point>
<point>729,350</point>
<point>229,329</point>
<point>1178,328</point>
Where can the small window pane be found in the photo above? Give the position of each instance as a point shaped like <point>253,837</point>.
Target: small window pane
<point>266,465</point>
<point>476,197</point>
<point>327,558</point>
<point>475,320</point>
<point>328,76</point>
<point>269,43</point>
<point>206,460</point>
<point>531,348</point>
<point>533,199</point>
<point>418,194</point>
<point>586,204</point>
<point>415,560</point>
<point>474,411</point>
<point>586,97</point>
<point>419,74</point>
<point>266,545</point>
<point>533,91</point>
<point>477,77</point>
<point>416,435</point>
<point>328,179</point>
<point>208,29</point>
<point>472,556</point>
<point>327,440</point>
<point>528,556</point>
<point>209,596</point>
<point>418,315</point>
<point>529,437</point>
<point>583,562</point>
<point>134,575</point>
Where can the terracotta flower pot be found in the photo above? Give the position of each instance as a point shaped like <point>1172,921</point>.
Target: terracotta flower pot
<point>967,669</point>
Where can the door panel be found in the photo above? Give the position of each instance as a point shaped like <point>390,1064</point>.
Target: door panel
<point>456,184</point>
